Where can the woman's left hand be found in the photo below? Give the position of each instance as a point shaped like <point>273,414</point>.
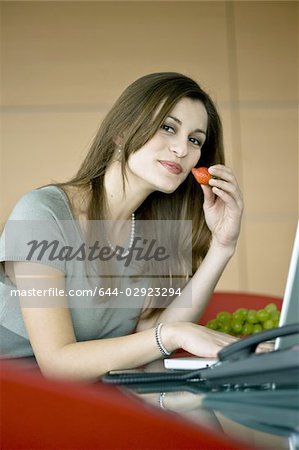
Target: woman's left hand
<point>223,206</point>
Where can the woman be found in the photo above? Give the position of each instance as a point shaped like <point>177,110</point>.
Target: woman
<point>138,169</point>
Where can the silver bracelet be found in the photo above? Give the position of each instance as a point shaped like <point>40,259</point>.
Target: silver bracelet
<point>159,342</point>
<point>161,400</point>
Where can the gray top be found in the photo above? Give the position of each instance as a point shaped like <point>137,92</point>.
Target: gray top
<point>92,317</point>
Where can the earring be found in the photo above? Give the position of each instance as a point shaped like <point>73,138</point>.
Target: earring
<point>118,155</point>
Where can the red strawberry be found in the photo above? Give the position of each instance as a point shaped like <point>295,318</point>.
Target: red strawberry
<point>201,175</point>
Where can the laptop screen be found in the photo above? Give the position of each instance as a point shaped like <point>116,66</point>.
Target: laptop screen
<point>290,306</point>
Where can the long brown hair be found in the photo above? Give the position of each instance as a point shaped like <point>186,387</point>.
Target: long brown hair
<point>133,118</point>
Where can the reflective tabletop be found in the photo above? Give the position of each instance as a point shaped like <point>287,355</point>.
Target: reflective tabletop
<point>265,417</point>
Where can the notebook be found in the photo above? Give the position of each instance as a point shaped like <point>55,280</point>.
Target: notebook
<point>289,315</point>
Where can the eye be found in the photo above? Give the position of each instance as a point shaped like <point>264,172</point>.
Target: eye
<point>196,142</point>
<point>167,128</point>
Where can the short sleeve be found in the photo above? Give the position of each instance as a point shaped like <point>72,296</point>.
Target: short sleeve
<point>35,230</point>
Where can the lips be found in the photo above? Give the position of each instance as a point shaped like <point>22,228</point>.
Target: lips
<point>172,167</point>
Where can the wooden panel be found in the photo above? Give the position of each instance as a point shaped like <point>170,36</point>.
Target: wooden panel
<point>40,148</point>
<point>269,142</point>
<point>83,53</point>
<point>269,248</point>
<point>266,34</point>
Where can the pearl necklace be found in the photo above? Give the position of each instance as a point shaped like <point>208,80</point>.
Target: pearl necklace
<point>132,236</point>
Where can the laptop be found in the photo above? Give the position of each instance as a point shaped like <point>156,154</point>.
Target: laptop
<point>289,314</point>
<point>290,305</point>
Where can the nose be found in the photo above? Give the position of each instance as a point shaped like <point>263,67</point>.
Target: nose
<point>179,148</point>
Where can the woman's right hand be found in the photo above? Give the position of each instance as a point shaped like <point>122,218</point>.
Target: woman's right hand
<point>195,339</point>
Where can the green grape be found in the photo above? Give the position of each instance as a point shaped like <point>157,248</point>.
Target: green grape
<point>239,315</point>
<point>257,328</point>
<point>225,327</point>
<point>271,307</point>
<point>268,324</point>
<point>233,333</point>
<point>236,326</point>
<point>212,324</point>
<point>247,328</point>
<point>275,315</point>
<point>251,316</point>
<point>223,317</point>
<point>243,311</point>
<point>262,315</point>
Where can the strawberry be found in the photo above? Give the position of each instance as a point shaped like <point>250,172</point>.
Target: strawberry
<point>201,175</point>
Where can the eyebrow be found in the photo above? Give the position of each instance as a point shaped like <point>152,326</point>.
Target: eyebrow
<point>180,123</point>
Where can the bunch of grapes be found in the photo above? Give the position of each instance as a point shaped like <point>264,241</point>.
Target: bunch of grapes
<point>246,321</point>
